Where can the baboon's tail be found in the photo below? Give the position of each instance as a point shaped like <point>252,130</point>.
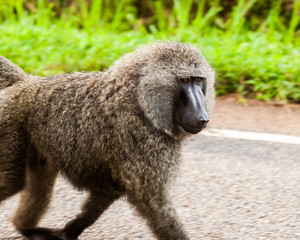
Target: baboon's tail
<point>10,73</point>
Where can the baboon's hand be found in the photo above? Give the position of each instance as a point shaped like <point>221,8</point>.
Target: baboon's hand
<point>44,234</point>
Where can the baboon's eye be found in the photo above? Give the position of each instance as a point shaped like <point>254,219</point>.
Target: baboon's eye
<point>186,80</point>
<point>199,79</point>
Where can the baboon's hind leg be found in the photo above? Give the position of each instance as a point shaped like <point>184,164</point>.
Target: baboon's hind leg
<point>12,163</point>
<point>36,196</point>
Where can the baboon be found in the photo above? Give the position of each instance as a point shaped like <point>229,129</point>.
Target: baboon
<point>113,133</point>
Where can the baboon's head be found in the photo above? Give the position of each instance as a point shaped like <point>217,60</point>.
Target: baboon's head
<point>176,88</point>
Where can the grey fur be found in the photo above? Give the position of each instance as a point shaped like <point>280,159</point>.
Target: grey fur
<point>111,133</point>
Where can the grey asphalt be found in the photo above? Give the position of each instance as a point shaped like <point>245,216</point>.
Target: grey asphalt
<point>227,189</point>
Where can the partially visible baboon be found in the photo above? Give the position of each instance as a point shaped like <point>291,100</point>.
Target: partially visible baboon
<point>112,133</point>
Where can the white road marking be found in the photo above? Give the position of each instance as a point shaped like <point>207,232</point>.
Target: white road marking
<point>255,136</point>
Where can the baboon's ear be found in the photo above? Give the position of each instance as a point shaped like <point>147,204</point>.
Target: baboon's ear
<point>156,98</point>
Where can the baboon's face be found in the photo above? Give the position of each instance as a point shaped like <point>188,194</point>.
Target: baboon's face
<point>191,112</point>
<point>176,89</point>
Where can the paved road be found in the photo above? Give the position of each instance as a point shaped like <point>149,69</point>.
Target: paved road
<point>227,189</point>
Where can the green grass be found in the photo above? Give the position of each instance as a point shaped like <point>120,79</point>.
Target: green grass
<point>253,60</point>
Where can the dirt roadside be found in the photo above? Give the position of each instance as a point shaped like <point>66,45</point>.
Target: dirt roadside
<point>256,116</point>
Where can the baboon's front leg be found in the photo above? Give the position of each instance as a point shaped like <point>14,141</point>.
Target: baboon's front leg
<point>161,216</point>
<point>36,196</point>
<point>93,207</point>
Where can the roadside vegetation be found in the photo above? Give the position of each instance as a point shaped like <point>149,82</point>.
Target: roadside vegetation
<point>254,46</point>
